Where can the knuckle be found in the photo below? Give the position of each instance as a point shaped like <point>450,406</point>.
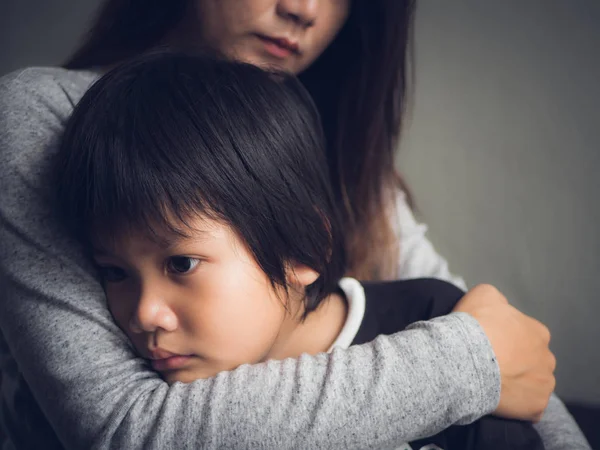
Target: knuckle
<point>542,330</point>
<point>545,333</point>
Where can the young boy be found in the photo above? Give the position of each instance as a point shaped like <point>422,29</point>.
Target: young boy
<point>200,187</point>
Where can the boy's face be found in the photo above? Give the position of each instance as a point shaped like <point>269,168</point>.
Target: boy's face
<point>197,305</point>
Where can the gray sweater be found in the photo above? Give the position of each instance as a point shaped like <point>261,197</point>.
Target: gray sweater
<point>70,377</point>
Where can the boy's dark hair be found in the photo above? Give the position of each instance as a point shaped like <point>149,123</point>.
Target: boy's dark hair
<point>359,84</point>
<point>169,136</point>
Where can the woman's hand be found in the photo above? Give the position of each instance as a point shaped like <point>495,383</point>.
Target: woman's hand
<point>520,344</point>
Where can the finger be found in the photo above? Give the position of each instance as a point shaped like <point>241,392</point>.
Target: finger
<point>536,418</point>
<point>552,362</point>
<point>542,330</point>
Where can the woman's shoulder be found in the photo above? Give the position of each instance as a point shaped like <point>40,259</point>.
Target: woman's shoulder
<point>35,104</point>
<point>56,88</point>
<point>48,79</point>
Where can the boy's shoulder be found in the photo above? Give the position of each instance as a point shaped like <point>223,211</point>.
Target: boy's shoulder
<point>393,305</point>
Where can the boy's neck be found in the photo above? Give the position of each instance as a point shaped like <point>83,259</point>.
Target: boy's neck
<point>316,333</point>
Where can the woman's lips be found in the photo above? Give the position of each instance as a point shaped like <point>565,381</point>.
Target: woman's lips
<point>279,47</point>
<point>171,363</point>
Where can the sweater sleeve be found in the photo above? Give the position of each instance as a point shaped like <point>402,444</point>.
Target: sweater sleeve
<point>558,428</point>
<point>418,258</point>
<point>81,375</point>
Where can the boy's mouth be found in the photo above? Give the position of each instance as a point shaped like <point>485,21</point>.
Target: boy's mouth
<point>171,363</point>
<point>159,353</point>
<point>163,360</point>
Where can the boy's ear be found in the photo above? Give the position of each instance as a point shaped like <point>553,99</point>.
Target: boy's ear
<point>300,275</point>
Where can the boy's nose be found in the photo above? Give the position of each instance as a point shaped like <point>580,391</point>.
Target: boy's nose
<point>152,313</point>
<point>303,12</point>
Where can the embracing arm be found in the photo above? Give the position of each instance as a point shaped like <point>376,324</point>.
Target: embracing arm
<point>558,429</point>
<point>64,348</point>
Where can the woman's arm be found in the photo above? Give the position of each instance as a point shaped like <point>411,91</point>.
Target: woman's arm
<point>64,359</point>
<point>60,344</point>
<point>558,428</point>
<point>419,259</point>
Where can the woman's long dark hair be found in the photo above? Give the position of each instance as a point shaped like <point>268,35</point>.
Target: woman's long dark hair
<point>359,85</point>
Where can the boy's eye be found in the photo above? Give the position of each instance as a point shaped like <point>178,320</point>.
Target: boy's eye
<point>112,274</point>
<point>182,264</point>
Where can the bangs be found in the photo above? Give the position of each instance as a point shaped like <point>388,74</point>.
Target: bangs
<point>168,138</point>
<point>136,179</point>
<point>159,150</point>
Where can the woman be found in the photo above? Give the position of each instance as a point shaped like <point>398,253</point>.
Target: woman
<point>63,346</point>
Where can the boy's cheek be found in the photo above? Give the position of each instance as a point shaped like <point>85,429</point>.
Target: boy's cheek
<point>120,315</point>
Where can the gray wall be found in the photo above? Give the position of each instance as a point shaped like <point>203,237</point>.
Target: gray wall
<point>40,32</point>
<point>502,149</point>
<point>503,155</point>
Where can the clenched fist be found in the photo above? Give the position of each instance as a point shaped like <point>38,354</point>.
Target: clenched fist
<point>521,347</point>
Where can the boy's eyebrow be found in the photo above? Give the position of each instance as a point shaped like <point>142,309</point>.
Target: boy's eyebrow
<point>100,250</point>
<point>174,239</point>
<point>167,243</point>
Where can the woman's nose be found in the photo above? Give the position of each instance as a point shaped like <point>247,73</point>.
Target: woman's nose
<point>303,12</point>
<point>151,314</point>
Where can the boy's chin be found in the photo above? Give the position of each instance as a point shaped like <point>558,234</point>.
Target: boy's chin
<point>189,375</point>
